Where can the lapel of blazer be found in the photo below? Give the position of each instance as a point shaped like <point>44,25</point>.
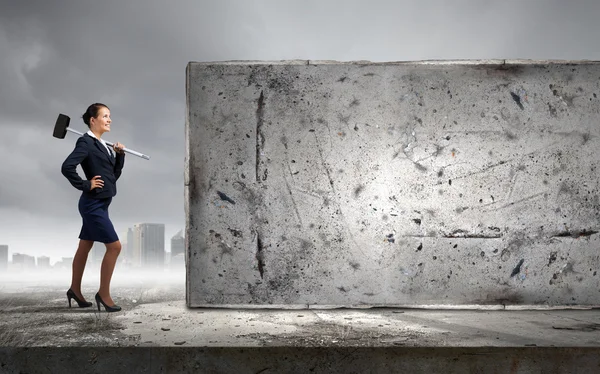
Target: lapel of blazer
<point>103,150</point>
<point>111,158</point>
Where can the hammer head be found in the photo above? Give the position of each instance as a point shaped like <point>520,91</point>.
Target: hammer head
<point>60,128</point>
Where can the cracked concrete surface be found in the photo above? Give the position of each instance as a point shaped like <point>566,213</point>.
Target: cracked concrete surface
<point>394,184</point>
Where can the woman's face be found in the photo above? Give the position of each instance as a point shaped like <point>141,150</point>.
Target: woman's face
<point>102,122</point>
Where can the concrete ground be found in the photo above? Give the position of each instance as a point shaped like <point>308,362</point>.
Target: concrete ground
<point>157,333</point>
<point>35,313</point>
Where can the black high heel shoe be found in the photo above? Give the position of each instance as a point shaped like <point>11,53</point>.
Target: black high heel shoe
<point>114,308</point>
<point>82,304</point>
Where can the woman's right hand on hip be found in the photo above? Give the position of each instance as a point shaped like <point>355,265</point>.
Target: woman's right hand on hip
<point>96,182</point>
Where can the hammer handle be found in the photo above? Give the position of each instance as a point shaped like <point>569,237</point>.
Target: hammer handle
<point>131,151</point>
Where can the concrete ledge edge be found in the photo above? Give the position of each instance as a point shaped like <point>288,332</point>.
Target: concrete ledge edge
<point>408,62</point>
<point>410,307</point>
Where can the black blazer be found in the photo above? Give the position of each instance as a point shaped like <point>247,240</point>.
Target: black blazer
<point>94,160</point>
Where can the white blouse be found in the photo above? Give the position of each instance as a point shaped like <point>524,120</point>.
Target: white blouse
<point>110,152</point>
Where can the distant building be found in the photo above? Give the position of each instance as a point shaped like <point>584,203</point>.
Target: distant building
<point>149,245</point>
<point>23,261</point>
<point>64,263</point>
<point>129,245</point>
<point>177,260</point>
<point>43,262</point>
<point>3,257</point>
<point>97,254</point>
<point>177,244</point>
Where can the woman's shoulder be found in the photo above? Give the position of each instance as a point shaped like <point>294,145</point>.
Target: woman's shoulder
<point>85,138</point>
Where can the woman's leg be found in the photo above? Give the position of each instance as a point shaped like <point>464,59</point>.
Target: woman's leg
<point>79,262</point>
<point>108,266</point>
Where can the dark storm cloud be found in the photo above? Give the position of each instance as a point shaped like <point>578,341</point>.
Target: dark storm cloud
<point>64,57</point>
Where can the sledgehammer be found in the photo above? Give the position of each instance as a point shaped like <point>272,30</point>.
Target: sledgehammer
<point>62,126</point>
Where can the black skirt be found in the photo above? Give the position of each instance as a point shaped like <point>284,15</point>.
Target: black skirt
<point>97,226</point>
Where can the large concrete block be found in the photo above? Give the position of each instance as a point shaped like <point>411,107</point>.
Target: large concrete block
<point>401,184</point>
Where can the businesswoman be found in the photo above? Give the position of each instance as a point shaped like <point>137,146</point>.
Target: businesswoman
<point>102,167</point>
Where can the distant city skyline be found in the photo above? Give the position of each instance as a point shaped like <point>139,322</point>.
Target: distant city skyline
<point>143,246</point>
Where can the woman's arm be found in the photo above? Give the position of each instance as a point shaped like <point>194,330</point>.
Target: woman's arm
<point>119,162</point>
<point>69,166</point>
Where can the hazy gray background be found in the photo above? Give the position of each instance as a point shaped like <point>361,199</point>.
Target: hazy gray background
<point>60,56</point>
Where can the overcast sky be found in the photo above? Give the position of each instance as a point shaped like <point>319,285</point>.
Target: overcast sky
<point>60,56</point>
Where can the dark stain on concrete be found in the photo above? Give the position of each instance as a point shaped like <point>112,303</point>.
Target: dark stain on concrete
<point>502,298</point>
<point>517,99</point>
<point>224,197</point>
<point>465,234</point>
<point>193,192</point>
<point>354,265</point>
<point>417,221</point>
<point>580,327</point>
<point>586,138</point>
<point>552,258</point>
<point>420,167</point>
<point>517,269</point>
<point>552,110</point>
<point>438,149</point>
<point>342,79</point>
<point>305,245</point>
<point>236,233</point>
<point>260,138</point>
<point>344,119</point>
<point>358,190</point>
<point>575,234</point>
<point>260,256</point>
<point>508,69</point>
